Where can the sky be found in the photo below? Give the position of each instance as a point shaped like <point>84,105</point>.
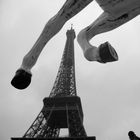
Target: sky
<point>109,92</point>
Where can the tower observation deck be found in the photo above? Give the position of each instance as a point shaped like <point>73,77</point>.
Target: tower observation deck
<point>62,109</point>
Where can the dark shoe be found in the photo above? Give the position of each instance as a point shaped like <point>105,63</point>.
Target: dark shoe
<point>22,79</point>
<point>107,53</point>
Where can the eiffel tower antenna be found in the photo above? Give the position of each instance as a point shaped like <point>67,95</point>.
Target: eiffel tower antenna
<point>62,109</point>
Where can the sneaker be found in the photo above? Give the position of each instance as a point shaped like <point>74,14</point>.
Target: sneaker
<point>22,79</point>
<point>107,53</point>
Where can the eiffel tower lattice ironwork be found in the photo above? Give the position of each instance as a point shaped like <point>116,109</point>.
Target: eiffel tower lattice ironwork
<point>62,109</point>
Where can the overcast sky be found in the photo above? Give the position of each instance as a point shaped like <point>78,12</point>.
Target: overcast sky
<point>109,92</point>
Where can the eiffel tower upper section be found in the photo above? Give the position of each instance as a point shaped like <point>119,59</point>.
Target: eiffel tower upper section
<point>65,84</point>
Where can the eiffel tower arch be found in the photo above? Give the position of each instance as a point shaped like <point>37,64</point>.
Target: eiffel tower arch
<point>63,108</point>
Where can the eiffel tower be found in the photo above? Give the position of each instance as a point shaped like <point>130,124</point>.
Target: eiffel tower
<point>62,109</point>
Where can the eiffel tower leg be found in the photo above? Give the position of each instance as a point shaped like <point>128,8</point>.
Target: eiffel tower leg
<point>39,126</point>
<point>75,123</point>
<point>35,127</point>
<point>47,130</point>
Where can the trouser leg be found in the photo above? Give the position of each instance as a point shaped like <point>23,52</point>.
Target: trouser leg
<point>104,23</point>
<point>70,8</point>
<point>53,26</point>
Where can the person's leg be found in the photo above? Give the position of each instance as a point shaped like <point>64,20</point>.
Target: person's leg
<point>105,52</point>
<point>53,26</point>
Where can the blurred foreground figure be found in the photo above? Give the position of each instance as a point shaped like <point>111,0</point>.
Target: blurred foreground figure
<point>116,13</point>
<point>132,136</point>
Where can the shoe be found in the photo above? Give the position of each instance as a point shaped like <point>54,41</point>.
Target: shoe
<point>22,79</point>
<point>107,53</point>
